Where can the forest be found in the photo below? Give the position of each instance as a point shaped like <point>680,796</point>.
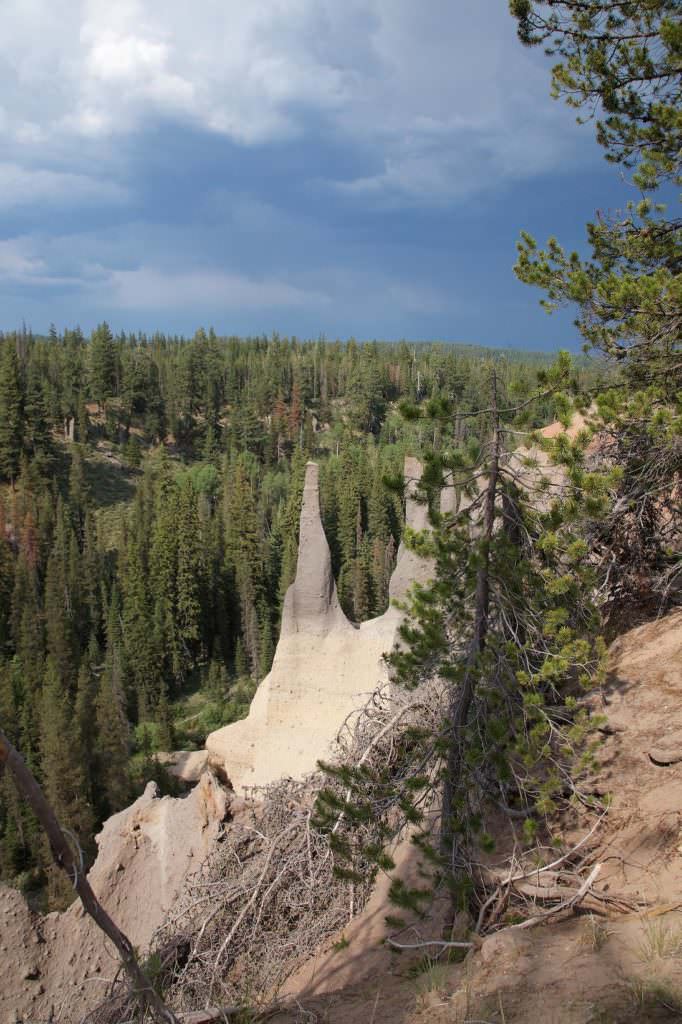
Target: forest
<point>149,498</point>
<point>514,761</point>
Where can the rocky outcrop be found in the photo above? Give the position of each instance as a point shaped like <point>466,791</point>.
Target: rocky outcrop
<point>324,666</point>
<point>145,854</point>
<point>186,765</point>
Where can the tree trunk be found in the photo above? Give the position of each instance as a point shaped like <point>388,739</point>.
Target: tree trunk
<point>63,856</point>
<point>463,695</point>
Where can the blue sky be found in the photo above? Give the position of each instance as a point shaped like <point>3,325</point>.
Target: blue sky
<point>315,167</point>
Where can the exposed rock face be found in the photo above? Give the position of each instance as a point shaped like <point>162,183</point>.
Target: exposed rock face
<point>324,665</point>
<point>145,854</point>
<point>324,668</point>
<point>186,765</point>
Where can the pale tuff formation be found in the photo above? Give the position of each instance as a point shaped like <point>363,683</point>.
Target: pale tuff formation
<point>325,666</point>
<point>61,962</point>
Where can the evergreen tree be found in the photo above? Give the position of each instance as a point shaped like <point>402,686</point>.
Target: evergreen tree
<point>62,758</point>
<point>163,562</point>
<point>113,739</point>
<point>143,656</point>
<point>61,601</point>
<point>37,439</point>
<point>79,495</point>
<point>190,574</point>
<point>164,720</point>
<point>85,713</point>
<point>244,557</point>
<point>508,629</point>
<point>6,582</point>
<point>12,420</point>
<point>102,364</point>
<point>289,521</point>
<point>623,59</point>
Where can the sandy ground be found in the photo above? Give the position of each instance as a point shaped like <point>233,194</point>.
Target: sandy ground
<point>614,968</point>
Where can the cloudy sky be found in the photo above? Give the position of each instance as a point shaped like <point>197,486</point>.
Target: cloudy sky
<point>335,167</point>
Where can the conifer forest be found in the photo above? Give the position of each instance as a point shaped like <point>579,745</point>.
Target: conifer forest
<point>450,708</point>
<point>149,503</point>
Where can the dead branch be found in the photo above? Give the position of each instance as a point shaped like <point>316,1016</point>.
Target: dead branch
<point>63,856</point>
<point>272,893</point>
<point>568,904</point>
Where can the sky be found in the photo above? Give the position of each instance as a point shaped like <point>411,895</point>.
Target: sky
<point>325,168</point>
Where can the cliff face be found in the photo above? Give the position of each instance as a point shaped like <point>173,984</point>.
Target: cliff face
<point>324,666</point>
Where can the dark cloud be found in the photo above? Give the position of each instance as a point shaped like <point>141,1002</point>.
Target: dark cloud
<point>295,165</point>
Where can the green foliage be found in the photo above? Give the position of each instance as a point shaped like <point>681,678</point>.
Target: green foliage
<point>508,628</point>
<point>623,60</point>
<point>151,492</point>
<point>11,413</point>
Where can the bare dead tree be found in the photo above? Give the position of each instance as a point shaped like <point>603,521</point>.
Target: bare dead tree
<point>64,857</point>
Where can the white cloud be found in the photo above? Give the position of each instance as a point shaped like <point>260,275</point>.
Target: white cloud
<point>97,270</point>
<point>441,95</point>
<point>16,262</point>
<point>26,185</point>
<point>152,288</point>
<point>19,265</point>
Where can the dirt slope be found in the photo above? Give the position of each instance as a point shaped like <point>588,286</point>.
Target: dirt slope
<point>585,968</point>
<point>60,963</point>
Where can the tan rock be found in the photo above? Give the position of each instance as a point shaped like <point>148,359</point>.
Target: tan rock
<point>145,854</point>
<point>324,667</point>
<point>186,765</point>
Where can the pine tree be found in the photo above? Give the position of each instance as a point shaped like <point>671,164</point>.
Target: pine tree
<point>62,757</point>
<point>91,578</point>
<point>143,657</point>
<point>623,60</point>
<point>164,721</point>
<point>244,558</point>
<point>163,562</point>
<point>37,440</point>
<point>266,650</point>
<point>26,627</point>
<point>64,776</point>
<point>61,601</point>
<point>381,552</point>
<point>85,712</point>
<point>79,494</point>
<point>503,639</point>
<point>289,522</point>
<point>112,783</point>
<point>12,418</point>
<point>6,582</point>
<point>190,573</point>
<point>241,666</point>
<point>102,364</point>
<point>509,624</point>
